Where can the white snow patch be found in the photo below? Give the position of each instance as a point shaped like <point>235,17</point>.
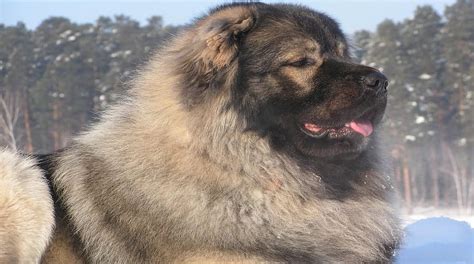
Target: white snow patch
<point>410,138</point>
<point>420,213</point>
<point>462,142</point>
<point>65,33</point>
<point>424,76</point>
<point>420,120</point>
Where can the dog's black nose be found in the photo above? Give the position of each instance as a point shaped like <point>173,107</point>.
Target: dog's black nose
<point>376,81</point>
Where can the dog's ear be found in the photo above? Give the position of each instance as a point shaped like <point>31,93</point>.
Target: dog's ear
<point>213,43</point>
<point>220,34</point>
<point>205,55</point>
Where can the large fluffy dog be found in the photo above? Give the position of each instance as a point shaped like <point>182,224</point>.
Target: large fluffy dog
<point>251,137</point>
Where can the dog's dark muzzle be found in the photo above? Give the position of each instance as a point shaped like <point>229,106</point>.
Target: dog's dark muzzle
<point>376,82</point>
<point>366,80</point>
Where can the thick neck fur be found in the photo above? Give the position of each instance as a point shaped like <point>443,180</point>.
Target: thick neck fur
<point>199,174</point>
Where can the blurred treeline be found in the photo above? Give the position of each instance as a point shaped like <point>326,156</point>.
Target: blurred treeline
<point>56,78</point>
<point>429,59</point>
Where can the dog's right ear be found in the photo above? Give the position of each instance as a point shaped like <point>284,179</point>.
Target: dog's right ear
<point>221,33</point>
<point>207,52</point>
<point>215,41</point>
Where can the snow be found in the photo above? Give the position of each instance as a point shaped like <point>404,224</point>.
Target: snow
<point>115,54</point>
<point>65,33</point>
<point>420,213</point>
<point>420,120</point>
<point>409,87</point>
<point>462,142</point>
<point>410,138</point>
<point>424,76</point>
<point>438,240</point>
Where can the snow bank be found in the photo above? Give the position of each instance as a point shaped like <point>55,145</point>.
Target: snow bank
<point>437,240</point>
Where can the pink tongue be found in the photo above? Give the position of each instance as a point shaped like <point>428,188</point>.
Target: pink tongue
<point>363,127</point>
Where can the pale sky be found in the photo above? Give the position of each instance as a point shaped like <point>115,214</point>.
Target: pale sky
<point>352,14</point>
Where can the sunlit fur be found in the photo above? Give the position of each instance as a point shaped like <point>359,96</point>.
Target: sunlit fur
<point>26,210</point>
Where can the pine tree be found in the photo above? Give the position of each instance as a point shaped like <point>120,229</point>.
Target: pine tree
<point>16,75</point>
<point>458,39</point>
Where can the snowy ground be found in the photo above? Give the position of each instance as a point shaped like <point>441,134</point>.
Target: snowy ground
<point>427,212</point>
<point>438,237</point>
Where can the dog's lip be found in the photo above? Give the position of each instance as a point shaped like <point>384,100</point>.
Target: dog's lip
<point>315,132</point>
<point>362,127</point>
<point>363,124</point>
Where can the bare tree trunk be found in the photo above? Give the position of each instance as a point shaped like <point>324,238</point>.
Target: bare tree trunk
<point>407,185</point>
<point>398,177</point>
<point>27,124</point>
<point>434,176</point>
<point>470,172</point>
<point>464,186</point>
<point>55,132</point>
<point>470,196</point>
<point>454,172</point>
<point>9,113</point>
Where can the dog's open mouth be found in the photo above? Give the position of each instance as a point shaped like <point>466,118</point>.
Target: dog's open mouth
<point>363,127</point>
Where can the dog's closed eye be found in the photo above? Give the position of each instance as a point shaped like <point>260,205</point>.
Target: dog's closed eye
<point>301,62</point>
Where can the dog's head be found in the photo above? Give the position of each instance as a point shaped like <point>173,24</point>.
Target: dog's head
<point>287,71</point>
